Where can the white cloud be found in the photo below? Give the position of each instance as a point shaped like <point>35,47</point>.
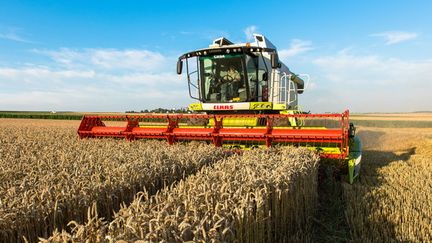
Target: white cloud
<point>380,70</point>
<point>149,79</point>
<point>366,83</point>
<point>128,59</point>
<point>14,37</point>
<point>12,34</point>
<point>43,76</point>
<point>43,73</point>
<point>249,31</point>
<point>94,79</point>
<point>102,80</point>
<point>109,59</point>
<point>393,37</point>
<point>89,99</point>
<point>296,47</point>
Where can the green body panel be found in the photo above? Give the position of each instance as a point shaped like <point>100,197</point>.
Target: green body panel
<point>354,159</point>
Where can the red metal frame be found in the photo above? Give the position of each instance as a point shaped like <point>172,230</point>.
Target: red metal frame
<point>93,126</point>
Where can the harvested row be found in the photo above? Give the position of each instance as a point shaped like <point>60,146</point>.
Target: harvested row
<point>392,202</point>
<point>261,196</point>
<point>49,177</point>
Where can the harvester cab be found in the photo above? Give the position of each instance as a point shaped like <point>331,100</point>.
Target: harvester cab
<point>245,98</point>
<point>229,78</point>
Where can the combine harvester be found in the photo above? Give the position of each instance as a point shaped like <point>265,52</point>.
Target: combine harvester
<point>245,98</point>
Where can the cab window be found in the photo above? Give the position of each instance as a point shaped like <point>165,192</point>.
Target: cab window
<point>222,78</point>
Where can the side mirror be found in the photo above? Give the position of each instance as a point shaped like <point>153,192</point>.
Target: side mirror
<point>179,66</point>
<point>265,76</point>
<point>274,60</point>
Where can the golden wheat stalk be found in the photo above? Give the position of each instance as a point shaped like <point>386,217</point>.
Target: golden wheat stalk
<point>259,196</point>
<point>49,177</point>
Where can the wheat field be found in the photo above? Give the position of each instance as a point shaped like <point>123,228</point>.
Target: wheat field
<point>57,188</point>
<point>260,196</point>
<point>49,177</point>
<point>393,199</point>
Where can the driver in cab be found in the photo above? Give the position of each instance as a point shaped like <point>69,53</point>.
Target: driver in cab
<point>230,83</point>
<point>233,75</point>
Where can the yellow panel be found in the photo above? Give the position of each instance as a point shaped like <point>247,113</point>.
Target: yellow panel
<point>260,106</point>
<point>279,106</point>
<point>195,107</point>
<point>237,122</point>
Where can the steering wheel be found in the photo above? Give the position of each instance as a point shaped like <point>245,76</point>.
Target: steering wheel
<point>228,78</point>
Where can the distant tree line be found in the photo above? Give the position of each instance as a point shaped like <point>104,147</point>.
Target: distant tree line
<point>162,110</point>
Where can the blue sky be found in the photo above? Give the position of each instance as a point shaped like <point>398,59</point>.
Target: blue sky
<point>366,56</point>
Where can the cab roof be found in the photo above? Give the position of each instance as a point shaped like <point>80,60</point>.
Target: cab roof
<point>226,50</point>
<point>224,46</point>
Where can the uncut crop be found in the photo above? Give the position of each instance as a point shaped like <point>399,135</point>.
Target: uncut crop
<point>260,196</point>
<point>392,201</point>
<point>49,177</point>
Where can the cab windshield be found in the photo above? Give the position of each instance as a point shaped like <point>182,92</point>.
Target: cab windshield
<point>223,78</point>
